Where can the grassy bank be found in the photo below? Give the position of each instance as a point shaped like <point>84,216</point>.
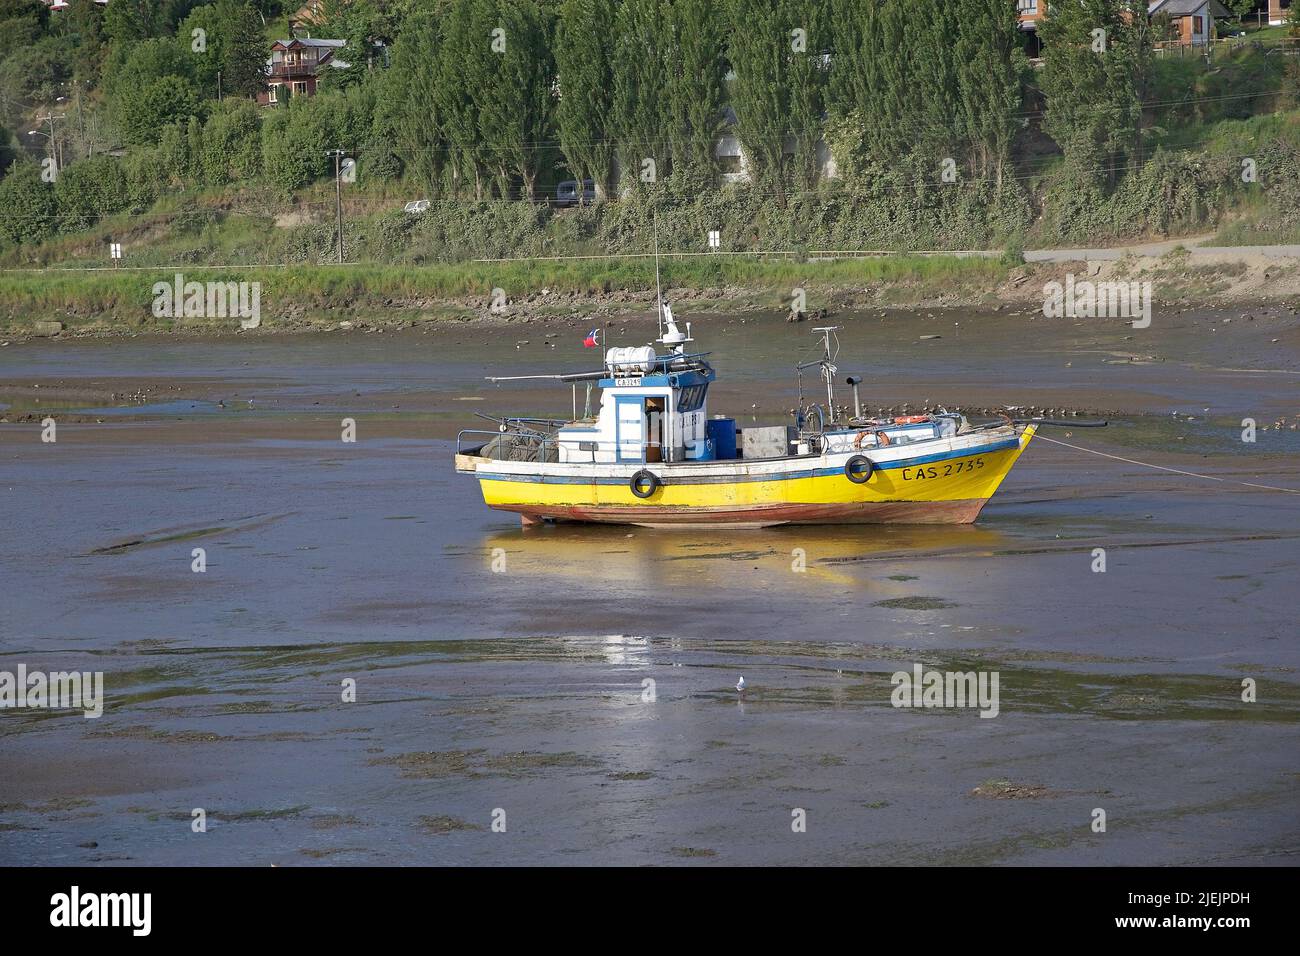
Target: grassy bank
<point>312,295</point>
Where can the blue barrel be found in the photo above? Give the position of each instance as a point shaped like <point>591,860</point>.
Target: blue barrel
<point>722,433</point>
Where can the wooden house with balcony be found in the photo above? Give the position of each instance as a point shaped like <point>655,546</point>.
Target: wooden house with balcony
<point>296,65</point>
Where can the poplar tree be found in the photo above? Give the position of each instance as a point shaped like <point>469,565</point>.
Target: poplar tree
<point>759,59</point>
<point>516,100</point>
<point>413,113</point>
<point>806,81</point>
<point>890,120</point>
<point>584,60</point>
<point>870,83</point>
<point>991,68</point>
<point>848,21</point>
<point>459,68</point>
<point>696,93</point>
<point>640,79</point>
<point>852,81</point>
<point>929,77</point>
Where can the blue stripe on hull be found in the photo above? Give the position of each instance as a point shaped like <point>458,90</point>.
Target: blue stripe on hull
<point>779,476</point>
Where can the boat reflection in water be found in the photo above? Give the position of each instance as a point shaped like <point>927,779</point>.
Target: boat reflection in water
<point>787,559</point>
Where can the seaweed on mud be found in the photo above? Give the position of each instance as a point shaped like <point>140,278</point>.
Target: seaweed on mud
<point>1006,790</point>
<point>917,603</point>
<point>443,825</point>
<point>476,763</point>
<point>332,820</point>
<point>245,816</point>
<point>124,546</point>
<point>56,805</point>
<point>143,732</point>
<point>1120,696</point>
<point>448,763</point>
<point>228,816</point>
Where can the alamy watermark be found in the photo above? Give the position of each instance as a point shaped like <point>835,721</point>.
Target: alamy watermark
<point>922,688</point>
<point>75,908</point>
<point>70,690</point>
<point>208,300</point>
<point>1100,300</point>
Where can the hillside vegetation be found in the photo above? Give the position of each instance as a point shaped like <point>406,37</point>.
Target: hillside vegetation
<point>865,125</point>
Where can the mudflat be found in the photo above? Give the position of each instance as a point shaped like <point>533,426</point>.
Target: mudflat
<point>567,694</point>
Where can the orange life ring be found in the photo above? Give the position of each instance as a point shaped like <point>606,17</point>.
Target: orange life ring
<point>881,439</point>
<point>911,419</point>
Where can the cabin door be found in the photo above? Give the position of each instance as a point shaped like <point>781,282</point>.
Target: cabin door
<point>656,422</point>
<point>630,422</point>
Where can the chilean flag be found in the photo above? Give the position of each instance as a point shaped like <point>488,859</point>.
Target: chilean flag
<point>590,341</point>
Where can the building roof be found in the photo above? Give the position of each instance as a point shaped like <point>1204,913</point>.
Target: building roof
<point>1185,8</point>
<point>308,41</point>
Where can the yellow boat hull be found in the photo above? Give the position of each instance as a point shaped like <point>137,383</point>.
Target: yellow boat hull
<point>950,487</point>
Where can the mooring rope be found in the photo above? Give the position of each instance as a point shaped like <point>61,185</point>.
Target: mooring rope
<point>1176,471</point>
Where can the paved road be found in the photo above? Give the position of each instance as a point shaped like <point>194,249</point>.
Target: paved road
<point>1193,244</point>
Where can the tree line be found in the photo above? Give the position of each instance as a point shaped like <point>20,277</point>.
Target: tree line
<point>498,98</point>
<point>629,91</point>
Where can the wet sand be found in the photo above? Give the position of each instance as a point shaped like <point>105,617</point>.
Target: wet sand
<point>524,690</point>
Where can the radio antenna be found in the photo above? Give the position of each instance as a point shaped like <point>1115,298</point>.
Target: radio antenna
<point>659,296</point>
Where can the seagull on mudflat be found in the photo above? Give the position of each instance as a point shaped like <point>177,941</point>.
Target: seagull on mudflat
<point>740,684</point>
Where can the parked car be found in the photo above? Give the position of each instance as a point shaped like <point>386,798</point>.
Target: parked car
<point>417,206</point>
<point>566,192</point>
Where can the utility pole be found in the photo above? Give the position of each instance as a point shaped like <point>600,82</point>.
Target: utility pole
<point>56,153</point>
<point>338,196</point>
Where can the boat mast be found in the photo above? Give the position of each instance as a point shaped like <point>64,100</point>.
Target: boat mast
<point>659,296</point>
<point>669,334</point>
<point>828,369</point>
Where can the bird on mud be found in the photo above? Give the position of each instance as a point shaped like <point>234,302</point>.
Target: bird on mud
<point>740,684</point>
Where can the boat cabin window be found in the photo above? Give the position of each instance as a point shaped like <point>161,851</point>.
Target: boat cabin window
<point>690,398</point>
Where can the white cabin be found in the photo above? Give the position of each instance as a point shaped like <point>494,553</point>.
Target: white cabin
<point>653,408</point>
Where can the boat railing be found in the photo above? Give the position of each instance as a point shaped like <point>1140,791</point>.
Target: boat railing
<point>537,447</point>
<point>692,358</point>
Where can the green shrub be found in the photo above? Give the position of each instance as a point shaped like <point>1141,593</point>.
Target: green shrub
<point>28,208</point>
<point>89,190</point>
<point>231,145</point>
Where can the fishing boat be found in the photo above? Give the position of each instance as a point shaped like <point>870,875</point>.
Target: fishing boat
<point>651,454</point>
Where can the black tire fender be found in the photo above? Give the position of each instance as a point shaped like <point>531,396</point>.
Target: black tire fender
<point>644,483</point>
<point>859,469</point>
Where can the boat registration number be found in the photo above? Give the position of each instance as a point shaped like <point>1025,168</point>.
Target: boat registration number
<point>942,471</point>
<point>627,381</point>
